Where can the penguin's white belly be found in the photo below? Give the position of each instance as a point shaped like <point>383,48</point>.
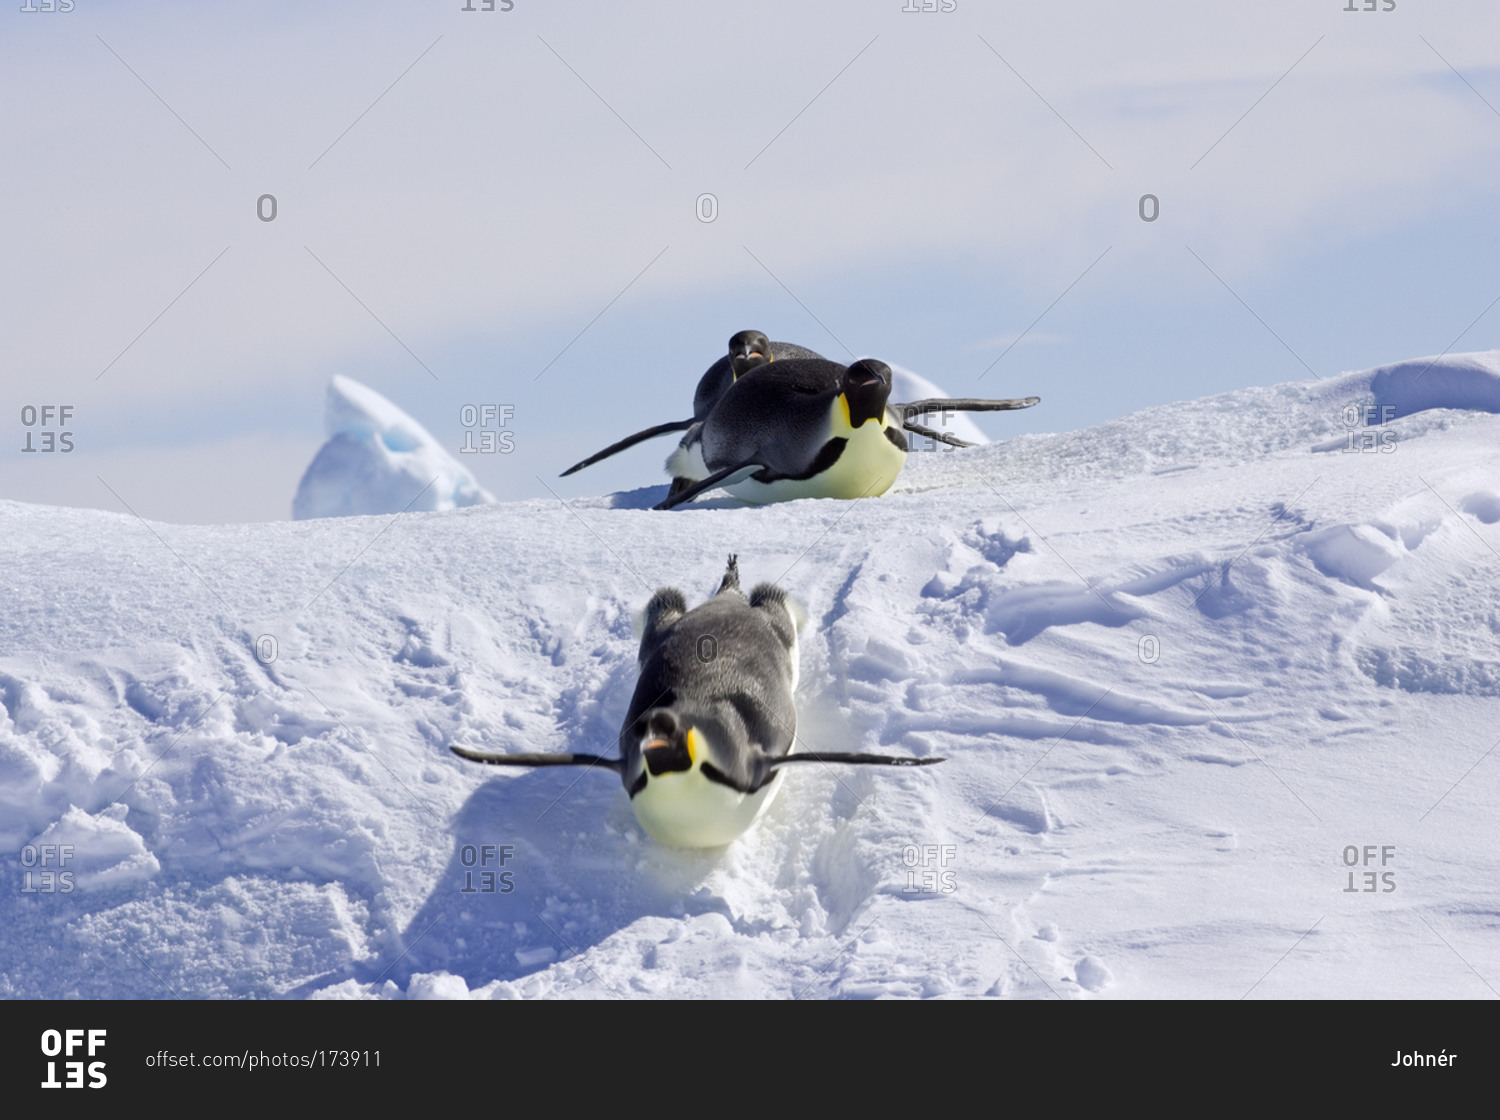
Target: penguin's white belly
<point>867,467</point>
<point>687,810</point>
<point>687,462</point>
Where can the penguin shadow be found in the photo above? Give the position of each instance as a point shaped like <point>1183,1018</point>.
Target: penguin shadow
<point>649,496</point>
<point>545,864</point>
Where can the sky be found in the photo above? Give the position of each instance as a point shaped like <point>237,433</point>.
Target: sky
<point>506,208</point>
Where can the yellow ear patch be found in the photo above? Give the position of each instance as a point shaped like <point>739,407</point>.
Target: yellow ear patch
<point>692,745</point>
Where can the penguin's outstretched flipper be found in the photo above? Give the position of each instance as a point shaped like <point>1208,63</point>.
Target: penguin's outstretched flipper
<point>963,404</point>
<point>913,409</point>
<point>856,759</point>
<point>630,441</point>
<point>933,433</point>
<point>550,759</point>
<point>726,477</point>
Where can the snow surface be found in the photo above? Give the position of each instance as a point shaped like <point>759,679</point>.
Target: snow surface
<point>1180,665</point>
<point>379,460</point>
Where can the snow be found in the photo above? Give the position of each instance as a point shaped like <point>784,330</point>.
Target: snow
<point>379,460</point>
<point>1180,665</point>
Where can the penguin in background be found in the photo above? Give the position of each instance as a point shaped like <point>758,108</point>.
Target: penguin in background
<point>807,429</point>
<point>747,350</point>
<point>713,718</point>
<point>751,353</point>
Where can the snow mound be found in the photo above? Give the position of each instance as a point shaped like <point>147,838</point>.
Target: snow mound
<point>377,460</point>
<point>1451,381</point>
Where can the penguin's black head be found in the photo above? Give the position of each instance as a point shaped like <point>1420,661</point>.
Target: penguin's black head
<point>665,742</point>
<point>747,350</point>
<point>867,387</point>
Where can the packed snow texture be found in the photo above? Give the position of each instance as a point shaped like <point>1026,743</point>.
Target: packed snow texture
<point>1181,666</point>
<point>379,460</point>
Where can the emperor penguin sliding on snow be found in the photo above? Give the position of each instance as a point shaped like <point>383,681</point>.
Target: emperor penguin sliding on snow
<point>713,720</point>
<point>751,351</point>
<point>806,429</point>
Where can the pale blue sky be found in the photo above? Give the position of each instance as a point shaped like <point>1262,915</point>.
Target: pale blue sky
<point>959,173</point>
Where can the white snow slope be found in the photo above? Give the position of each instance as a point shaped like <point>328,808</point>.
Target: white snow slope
<point>376,458</point>
<point>1181,666</point>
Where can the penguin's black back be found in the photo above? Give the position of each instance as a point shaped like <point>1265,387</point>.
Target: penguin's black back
<point>724,666</point>
<point>719,376</point>
<point>778,414</point>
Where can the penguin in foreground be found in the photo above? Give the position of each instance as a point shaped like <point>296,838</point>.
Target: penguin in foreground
<point>806,429</point>
<point>747,351</point>
<point>713,720</point>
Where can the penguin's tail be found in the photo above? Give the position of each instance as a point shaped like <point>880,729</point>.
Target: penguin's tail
<point>731,580</point>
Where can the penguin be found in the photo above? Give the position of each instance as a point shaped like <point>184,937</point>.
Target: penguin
<point>713,718</point>
<point>806,429</point>
<point>747,350</point>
